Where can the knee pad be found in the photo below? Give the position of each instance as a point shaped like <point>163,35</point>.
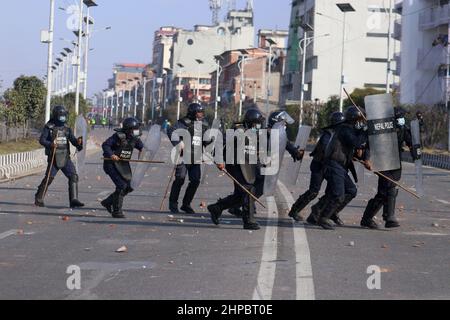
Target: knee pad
<point>392,193</point>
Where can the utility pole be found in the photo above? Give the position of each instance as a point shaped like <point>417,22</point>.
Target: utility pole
<point>49,40</point>
<point>80,35</point>
<point>389,60</point>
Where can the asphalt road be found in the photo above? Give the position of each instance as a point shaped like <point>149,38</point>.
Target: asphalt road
<point>187,257</point>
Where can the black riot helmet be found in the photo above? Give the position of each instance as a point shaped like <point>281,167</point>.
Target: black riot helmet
<point>353,115</point>
<point>336,118</point>
<point>253,119</point>
<point>131,127</point>
<point>279,116</point>
<point>59,114</point>
<point>193,110</point>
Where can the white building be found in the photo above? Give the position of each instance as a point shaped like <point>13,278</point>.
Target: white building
<point>423,30</point>
<point>366,47</point>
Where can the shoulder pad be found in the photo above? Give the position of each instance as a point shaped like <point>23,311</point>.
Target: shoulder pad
<point>121,135</point>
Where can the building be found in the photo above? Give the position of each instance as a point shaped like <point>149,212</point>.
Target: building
<point>193,51</point>
<point>424,31</point>
<point>162,46</point>
<point>366,48</point>
<point>254,79</point>
<point>126,75</point>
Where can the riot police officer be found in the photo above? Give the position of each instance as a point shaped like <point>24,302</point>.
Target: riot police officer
<point>120,146</point>
<point>247,174</point>
<point>317,171</point>
<point>295,152</point>
<point>56,137</point>
<point>195,113</point>
<point>387,190</point>
<point>348,137</point>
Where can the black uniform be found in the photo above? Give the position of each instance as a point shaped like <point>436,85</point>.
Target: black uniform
<point>247,174</point>
<point>193,169</point>
<point>387,190</point>
<point>317,175</point>
<point>338,162</point>
<point>56,137</point>
<point>122,145</point>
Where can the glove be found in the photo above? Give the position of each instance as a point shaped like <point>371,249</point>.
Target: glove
<point>368,165</point>
<point>298,154</point>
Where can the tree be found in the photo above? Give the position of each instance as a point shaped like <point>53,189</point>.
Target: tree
<point>358,96</point>
<point>25,102</point>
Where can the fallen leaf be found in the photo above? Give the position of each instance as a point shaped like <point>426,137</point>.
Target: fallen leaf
<point>29,222</point>
<point>122,249</point>
<point>384,246</point>
<point>20,232</point>
<point>65,218</point>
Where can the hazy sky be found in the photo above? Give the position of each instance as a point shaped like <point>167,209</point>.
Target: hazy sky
<point>133,23</point>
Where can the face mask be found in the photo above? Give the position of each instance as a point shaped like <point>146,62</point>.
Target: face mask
<point>62,119</point>
<point>401,122</point>
<point>136,133</point>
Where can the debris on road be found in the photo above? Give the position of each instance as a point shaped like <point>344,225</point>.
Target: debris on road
<point>122,249</point>
<point>351,244</point>
<point>203,204</point>
<point>436,225</point>
<point>65,218</point>
<point>20,232</point>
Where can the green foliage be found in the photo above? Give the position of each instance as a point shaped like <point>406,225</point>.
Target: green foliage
<point>358,96</point>
<point>25,101</point>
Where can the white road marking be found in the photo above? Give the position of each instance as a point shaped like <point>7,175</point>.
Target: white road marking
<point>419,233</point>
<point>103,194</point>
<point>266,275</point>
<point>8,233</point>
<point>304,275</point>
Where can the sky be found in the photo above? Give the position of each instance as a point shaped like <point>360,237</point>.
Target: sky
<point>130,39</point>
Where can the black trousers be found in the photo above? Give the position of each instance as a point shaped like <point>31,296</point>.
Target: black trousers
<point>194,172</point>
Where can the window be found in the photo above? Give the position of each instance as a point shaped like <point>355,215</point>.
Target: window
<point>376,60</point>
<point>375,85</point>
<point>377,35</point>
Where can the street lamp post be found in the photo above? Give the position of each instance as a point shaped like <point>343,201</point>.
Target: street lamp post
<point>124,83</point>
<point>241,66</point>
<point>78,64</point>
<point>88,21</point>
<point>48,38</point>
<point>344,7</point>
<point>166,91</point>
<point>269,80</point>
<point>136,103</point>
<point>180,71</point>
<point>200,62</point>
<point>219,70</point>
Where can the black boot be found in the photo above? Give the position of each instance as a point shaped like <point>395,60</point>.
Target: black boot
<point>216,212</point>
<point>173,207</point>
<point>73,192</point>
<point>335,217</point>
<point>237,212</point>
<point>174,195</point>
<point>389,211</point>
<point>117,204</point>
<point>330,209</point>
<point>301,204</point>
<point>39,196</point>
<point>108,203</point>
<point>248,214</point>
<point>316,211</point>
<point>189,196</point>
<point>371,211</point>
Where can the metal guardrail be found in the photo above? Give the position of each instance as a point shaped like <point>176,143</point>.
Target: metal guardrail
<point>441,161</point>
<point>16,164</point>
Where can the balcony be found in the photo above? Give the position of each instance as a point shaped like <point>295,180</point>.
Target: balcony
<point>397,30</point>
<point>431,58</point>
<point>398,64</point>
<point>434,17</point>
